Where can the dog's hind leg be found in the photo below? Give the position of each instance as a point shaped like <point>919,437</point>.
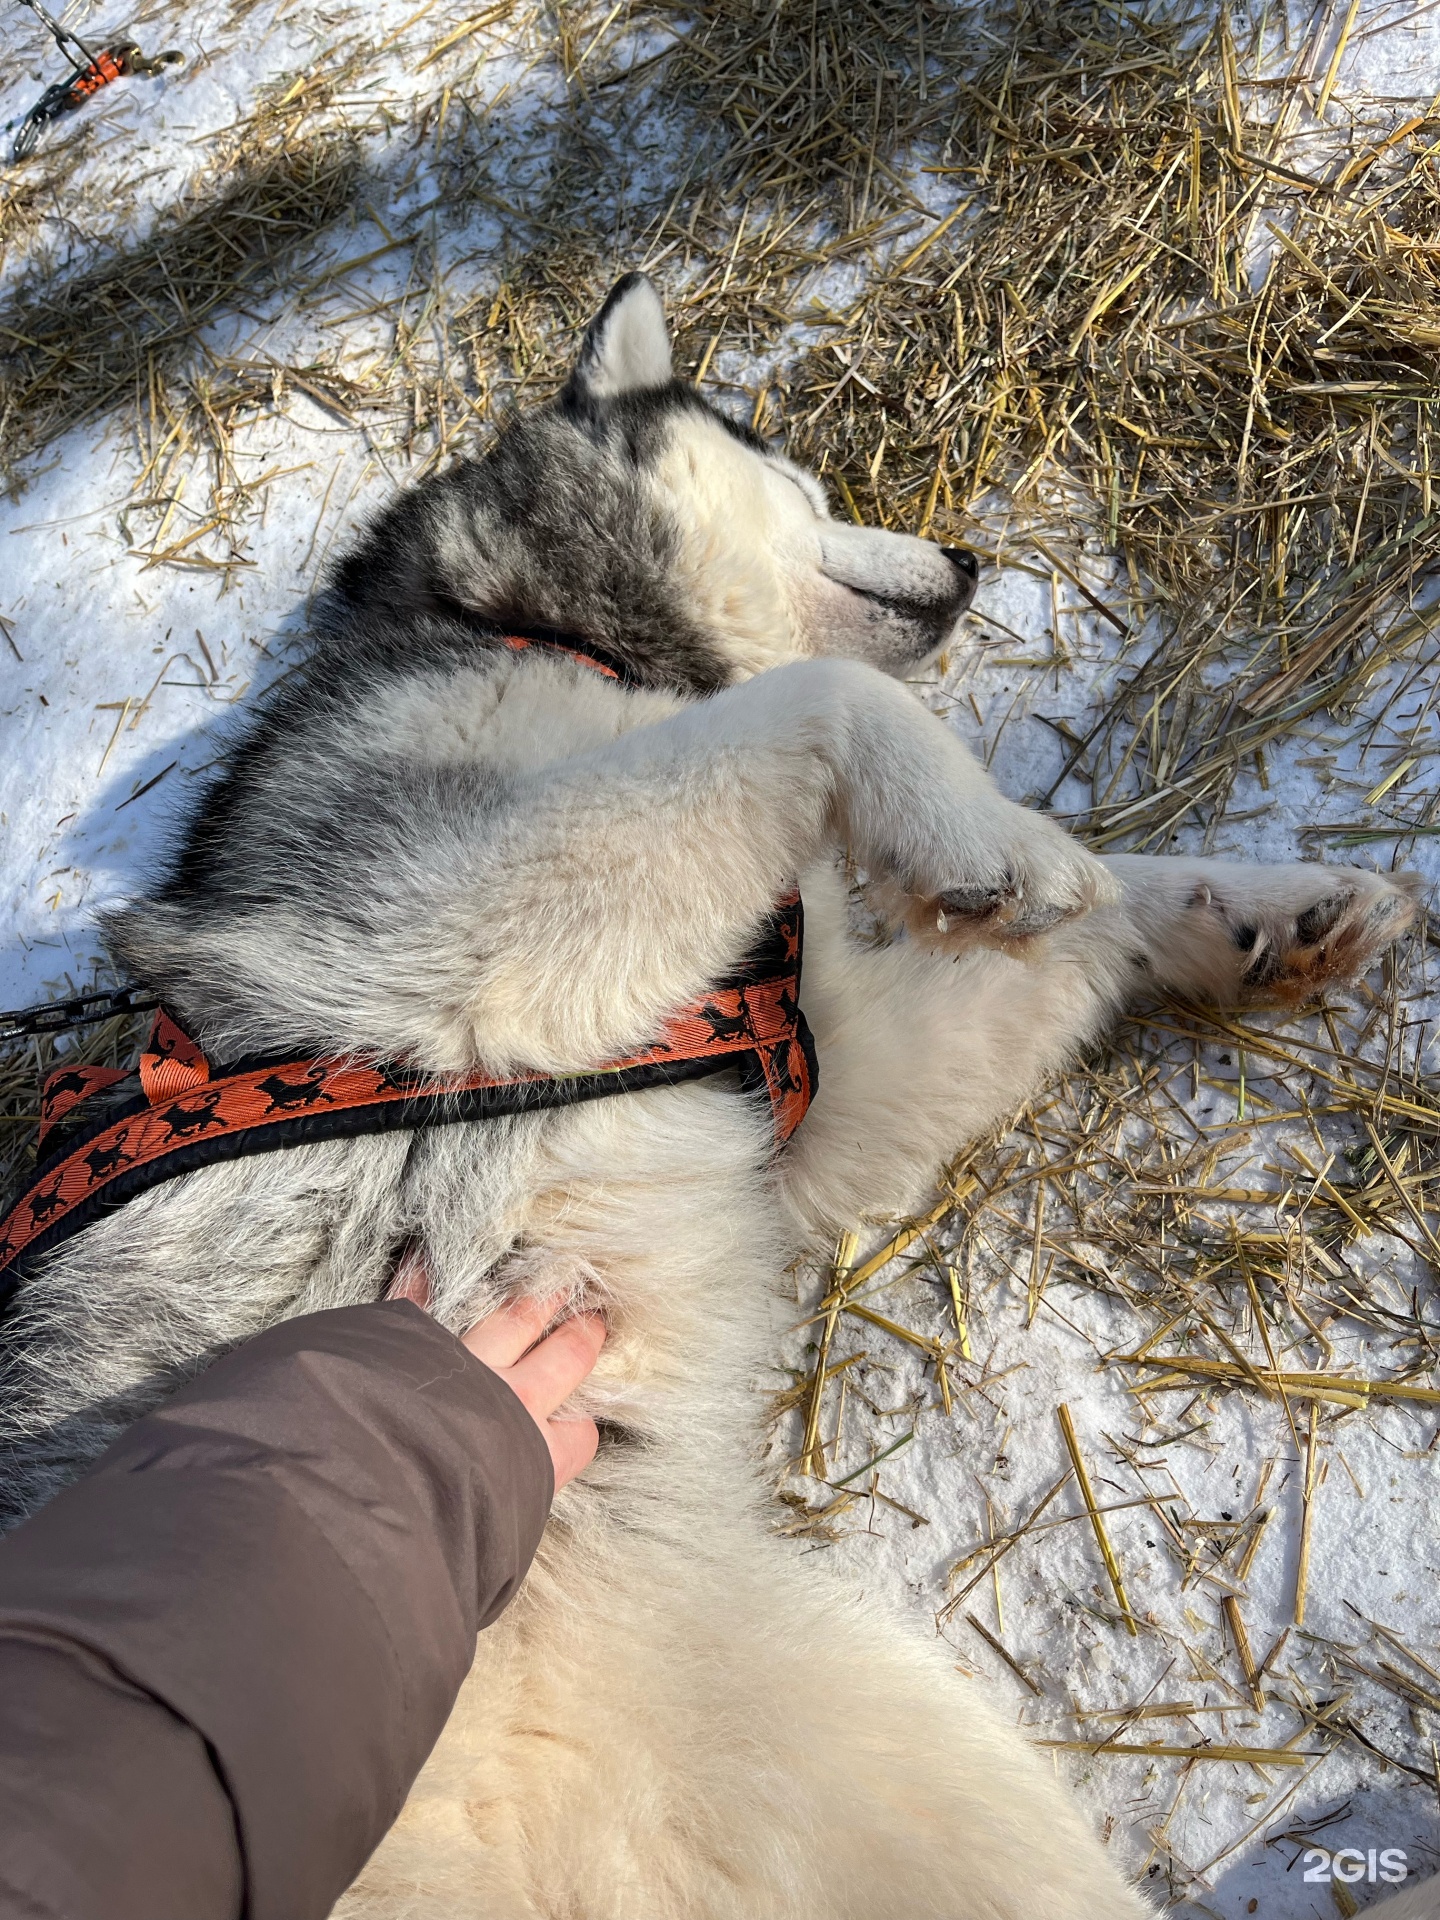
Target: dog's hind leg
<point>1235,934</point>
<point>923,1051</point>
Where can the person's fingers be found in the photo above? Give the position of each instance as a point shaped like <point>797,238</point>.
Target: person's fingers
<point>572,1444</point>
<point>551,1372</point>
<point>544,1373</point>
<point>511,1330</point>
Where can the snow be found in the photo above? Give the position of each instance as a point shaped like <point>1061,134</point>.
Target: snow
<point>116,689</point>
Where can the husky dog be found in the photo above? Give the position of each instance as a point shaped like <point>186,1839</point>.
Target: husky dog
<point>433,849</point>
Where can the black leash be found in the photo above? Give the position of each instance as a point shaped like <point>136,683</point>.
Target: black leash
<point>58,1016</point>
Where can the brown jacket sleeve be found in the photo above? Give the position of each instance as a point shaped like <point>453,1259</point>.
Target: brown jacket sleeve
<point>226,1652</point>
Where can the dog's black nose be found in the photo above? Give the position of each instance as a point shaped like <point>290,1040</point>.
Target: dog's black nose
<point>963,561</point>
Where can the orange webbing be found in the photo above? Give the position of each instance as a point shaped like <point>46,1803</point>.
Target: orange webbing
<point>191,1112</point>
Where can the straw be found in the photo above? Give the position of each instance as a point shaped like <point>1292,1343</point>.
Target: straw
<point>1114,310</point>
<point>1102,1538</point>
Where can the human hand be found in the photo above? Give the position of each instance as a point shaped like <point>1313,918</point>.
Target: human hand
<point>543,1373</point>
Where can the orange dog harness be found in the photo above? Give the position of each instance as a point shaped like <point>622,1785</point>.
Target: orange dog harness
<point>178,1111</point>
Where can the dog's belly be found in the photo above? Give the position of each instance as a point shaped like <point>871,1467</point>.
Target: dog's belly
<point>655,1205</point>
<point>567,1773</point>
<point>682,1718</point>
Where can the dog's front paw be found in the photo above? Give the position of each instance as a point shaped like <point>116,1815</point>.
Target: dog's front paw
<point>999,912</point>
<point>1032,878</point>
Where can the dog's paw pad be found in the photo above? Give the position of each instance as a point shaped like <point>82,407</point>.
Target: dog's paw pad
<point>1315,922</point>
<point>1001,914</point>
<point>1338,937</point>
<point>996,905</point>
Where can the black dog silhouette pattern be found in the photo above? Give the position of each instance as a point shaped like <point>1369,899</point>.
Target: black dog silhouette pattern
<point>185,1121</point>
<point>104,1161</point>
<point>729,1026</point>
<point>76,1082</point>
<point>780,1074</point>
<point>286,1095</point>
<point>396,1077</point>
<point>67,1095</point>
<point>45,1202</point>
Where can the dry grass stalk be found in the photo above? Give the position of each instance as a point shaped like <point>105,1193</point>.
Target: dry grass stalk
<point>1307,1516</point>
<point>1102,1537</point>
<point>850,1282</point>
<point>812,1452</point>
<point>1338,1389</point>
<point>1152,1710</point>
<point>1014,1665</point>
<point>1240,1640</point>
<point>800,1394</point>
<point>1255,1756</point>
<point>1252,1547</point>
<point>1393,1639</point>
<point>1003,1546</point>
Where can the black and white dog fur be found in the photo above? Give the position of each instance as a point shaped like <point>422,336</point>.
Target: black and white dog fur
<point>428,848</point>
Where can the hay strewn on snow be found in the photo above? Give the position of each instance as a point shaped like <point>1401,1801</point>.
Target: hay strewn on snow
<point>1143,305</point>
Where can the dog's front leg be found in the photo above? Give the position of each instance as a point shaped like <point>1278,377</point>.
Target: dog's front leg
<point>553,919</point>
<point>617,885</point>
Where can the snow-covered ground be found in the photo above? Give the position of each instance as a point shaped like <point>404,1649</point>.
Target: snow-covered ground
<point>118,677</point>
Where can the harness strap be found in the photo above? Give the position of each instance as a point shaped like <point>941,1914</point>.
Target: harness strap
<point>186,1112</point>
<point>178,1111</point>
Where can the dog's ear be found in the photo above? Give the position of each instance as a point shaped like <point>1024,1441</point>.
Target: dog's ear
<point>626,347</point>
